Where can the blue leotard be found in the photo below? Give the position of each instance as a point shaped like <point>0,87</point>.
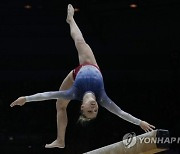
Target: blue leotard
<point>88,79</point>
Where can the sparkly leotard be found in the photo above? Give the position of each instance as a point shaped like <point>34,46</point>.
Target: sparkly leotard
<point>88,78</point>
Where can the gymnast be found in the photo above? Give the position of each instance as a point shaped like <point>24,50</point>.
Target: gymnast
<point>84,83</point>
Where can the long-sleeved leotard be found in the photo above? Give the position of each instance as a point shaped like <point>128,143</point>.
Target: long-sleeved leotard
<point>88,79</point>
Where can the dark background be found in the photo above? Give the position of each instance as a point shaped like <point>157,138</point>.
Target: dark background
<point>137,50</point>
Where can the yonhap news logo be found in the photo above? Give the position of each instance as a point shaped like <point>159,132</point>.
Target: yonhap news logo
<point>130,139</point>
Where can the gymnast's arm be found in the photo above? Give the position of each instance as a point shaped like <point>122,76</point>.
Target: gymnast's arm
<point>66,94</point>
<point>107,103</point>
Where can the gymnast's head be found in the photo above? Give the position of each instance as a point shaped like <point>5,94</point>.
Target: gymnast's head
<point>89,107</point>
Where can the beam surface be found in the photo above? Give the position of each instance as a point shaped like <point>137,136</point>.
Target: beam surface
<point>147,143</point>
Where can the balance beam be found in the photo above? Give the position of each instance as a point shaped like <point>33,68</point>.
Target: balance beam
<point>147,143</point>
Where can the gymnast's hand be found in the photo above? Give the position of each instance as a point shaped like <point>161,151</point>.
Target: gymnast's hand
<point>20,101</point>
<point>146,126</point>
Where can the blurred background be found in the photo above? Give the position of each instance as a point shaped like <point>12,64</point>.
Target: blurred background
<point>136,44</point>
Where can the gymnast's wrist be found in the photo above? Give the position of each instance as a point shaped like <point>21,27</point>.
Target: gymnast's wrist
<point>140,122</point>
<point>26,99</point>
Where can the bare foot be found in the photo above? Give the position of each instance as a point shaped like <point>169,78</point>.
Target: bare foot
<point>70,13</point>
<point>55,144</point>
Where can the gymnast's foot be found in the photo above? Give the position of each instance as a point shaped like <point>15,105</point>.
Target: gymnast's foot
<point>55,144</point>
<point>70,13</point>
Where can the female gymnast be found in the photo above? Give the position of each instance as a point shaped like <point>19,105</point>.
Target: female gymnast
<point>84,83</point>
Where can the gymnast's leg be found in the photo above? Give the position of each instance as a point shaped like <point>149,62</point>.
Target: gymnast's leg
<point>62,119</point>
<point>84,51</point>
<point>85,55</point>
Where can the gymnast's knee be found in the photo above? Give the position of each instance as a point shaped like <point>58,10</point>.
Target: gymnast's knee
<point>61,105</point>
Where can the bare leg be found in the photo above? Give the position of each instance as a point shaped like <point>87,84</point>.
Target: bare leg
<point>62,119</point>
<point>85,55</point>
<point>84,51</point>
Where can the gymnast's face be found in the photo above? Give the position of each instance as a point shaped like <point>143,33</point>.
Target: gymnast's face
<point>89,108</point>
